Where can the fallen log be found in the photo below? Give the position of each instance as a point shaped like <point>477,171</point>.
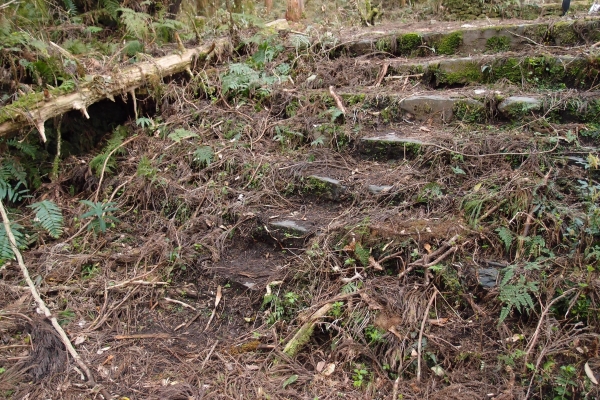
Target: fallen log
<point>36,108</point>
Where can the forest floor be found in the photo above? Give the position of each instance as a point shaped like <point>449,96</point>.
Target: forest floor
<point>284,229</point>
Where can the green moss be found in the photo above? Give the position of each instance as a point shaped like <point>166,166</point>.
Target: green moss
<point>292,108</point>
<point>383,149</point>
<point>509,68</point>
<point>408,44</point>
<point>469,111</point>
<point>564,34</point>
<point>459,72</point>
<point>16,108</point>
<point>450,43</point>
<point>497,44</point>
<point>352,99</point>
<point>538,33</point>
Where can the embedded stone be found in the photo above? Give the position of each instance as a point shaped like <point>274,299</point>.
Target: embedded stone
<point>323,186</point>
<point>487,277</point>
<point>516,106</point>
<point>390,146</point>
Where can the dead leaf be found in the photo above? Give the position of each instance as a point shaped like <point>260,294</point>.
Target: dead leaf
<point>108,359</point>
<point>590,373</point>
<point>329,370</point>
<point>252,367</point>
<point>424,129</point>
<point>427,247</point>
<point>320,366</point>
<point>374,264</point>
<point>79,340</point>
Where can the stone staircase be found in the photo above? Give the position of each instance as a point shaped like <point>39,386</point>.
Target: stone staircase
<point>453,101</point>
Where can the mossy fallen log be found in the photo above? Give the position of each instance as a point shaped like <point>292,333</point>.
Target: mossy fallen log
<point>35,109</point>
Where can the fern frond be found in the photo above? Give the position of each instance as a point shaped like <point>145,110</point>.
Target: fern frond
<point>97,163</point>
<point>70,7</point>
<point>24,147</point>
<point>111,7</point>
<point>506,236</point>
<point>50,217</point>
<point>362,254</point>
<point>136,23</point>
<point>203,156</point>
<point>6,252</point>
<point>13,180</point>
<point>180,134</point>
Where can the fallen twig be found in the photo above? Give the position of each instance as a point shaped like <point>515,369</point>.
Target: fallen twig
<point>419,345</point>
<point>106,162</point>
<point>180,303</point>
<point>144,336</point>
<point>217,301</point>
<point>534,338</point>
<point>42,306</point>
<point>381,74</point>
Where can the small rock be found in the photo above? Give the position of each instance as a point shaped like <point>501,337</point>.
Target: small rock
<point>487,277</point>
<point>379,189</point>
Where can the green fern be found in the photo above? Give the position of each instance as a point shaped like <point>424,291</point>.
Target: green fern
<point>517,295</point>
<point>70,7</point>
<point>101,213</point>
<point>97,163</point>
<point>506,236</point>
<point>136,23</point>
<point>24,147</point>
<point>362,254</point>
<point>13,180</point>
<point>180,134</point>
<point>203,156</point>
<point>49,216</point>
<point>6,252</point>
<point>111,7</point>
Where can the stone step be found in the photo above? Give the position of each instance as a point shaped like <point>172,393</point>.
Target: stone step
<point>471,40</point>
<point>478,105</point>
<point>463,10</point>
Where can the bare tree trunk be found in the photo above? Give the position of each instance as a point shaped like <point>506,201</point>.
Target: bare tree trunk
<point>269,6</point>
<point>295,8</point>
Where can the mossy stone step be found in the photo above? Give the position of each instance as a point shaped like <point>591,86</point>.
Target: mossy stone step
<point>477,40</point>
<point>437,107</point>
<point>290,233</point>
<point>324,187</point>
<point>550,71</point>
<point>390,146</point>
<point>517,106</point>
<point>480,105</point>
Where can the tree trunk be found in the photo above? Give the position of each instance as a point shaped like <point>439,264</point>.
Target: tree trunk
<point>100,87</point>
<point>295,8</point>
<point>269,6</point>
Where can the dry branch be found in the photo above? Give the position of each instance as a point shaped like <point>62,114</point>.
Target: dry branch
<point>42,305</point>
<point>102,87</point>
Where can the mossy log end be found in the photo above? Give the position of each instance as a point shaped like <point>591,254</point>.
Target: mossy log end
<point>36,110</point>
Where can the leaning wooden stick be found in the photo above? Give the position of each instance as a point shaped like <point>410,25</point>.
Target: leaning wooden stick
<point>338,100</point>
<point>42,306</point>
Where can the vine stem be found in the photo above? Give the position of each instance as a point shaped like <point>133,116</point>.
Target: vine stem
<point>42,305</point>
